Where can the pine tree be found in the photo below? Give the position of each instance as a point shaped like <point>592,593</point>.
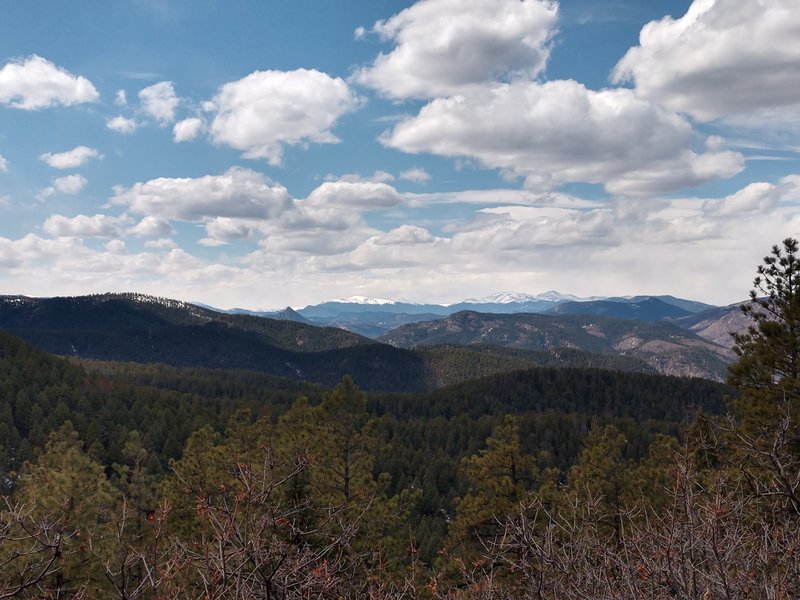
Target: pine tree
<point>769,351</point>
<point>66,488</point>
<point>603,476</point>
<point>765,441</point>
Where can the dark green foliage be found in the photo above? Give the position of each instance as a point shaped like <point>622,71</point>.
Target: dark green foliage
<point>769,351</point>
<point>132,328</point>
<point>150,330</point>
<point>647,309</point>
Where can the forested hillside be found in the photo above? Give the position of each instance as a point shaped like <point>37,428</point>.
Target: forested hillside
<point>132,480</point>
<point>663,346</point>
<point>143,329</point>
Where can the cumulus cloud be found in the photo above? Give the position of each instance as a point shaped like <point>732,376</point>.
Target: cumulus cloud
<point>416,174</point>
<point>70,185</point>
<point>364,195</point>
<point>121,98</point>
<point>550,242</point>
<point>115,247</point>
<point>520,228</point>
<point>70,159</point>
<point>561,131</point>
<point>151,226</point>
<point>98,226</point>
<point>161,244</point>
<point>267,110</point>
<point>3,164</point>
<point>225,230</point>
<point>441,46</point>
<point>122,124</point>
<point>35,83</point>
<point>755,197</point>
<point>720,59</point>
<point>159,101</point>
<point>188,129</point>
<point>238,192</point>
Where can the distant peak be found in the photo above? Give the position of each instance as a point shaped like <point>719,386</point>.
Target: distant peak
<point>363,300</point>
<point>519,297</point>
<point>554,296</point>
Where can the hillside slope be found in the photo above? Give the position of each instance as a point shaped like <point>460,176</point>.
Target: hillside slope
<point>667,348</point>
<point>129,327</point>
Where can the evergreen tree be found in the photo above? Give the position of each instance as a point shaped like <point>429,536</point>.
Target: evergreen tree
<point>769,351</point>
<point>499,479</point>
<point>67,488</point>
<point>603,476</point>
<point>765,443</point>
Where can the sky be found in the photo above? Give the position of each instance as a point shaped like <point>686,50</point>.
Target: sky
<point>267,154</point>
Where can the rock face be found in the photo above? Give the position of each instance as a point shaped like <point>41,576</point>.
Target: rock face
<point>717,324</point>
<point>666,347</point>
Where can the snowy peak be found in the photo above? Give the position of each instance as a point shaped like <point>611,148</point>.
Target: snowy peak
<point>363,300</point>
<point>554,296</point>
<point>502,298</point>
<point>519,298</point>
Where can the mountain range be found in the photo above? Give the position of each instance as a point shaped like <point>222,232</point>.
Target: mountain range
<point>413,356</point>
<point>374,317</point>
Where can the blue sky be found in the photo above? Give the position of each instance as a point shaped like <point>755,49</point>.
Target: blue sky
<point>264,154</point>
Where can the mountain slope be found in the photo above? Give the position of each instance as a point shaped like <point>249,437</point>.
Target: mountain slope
<point>107,312</point>
<point>129,327</point>
<point>645,309</point>
<point>665,347</point>
<point>717,324</point>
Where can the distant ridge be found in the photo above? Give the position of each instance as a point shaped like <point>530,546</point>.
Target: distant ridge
<point>649,309</point>
<point>667,348</point>
<point>374,317</point>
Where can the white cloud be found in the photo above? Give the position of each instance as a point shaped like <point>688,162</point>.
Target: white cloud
<point>561,131</point>
<point>518,228</point>
<point>267,110</point>
<point>224,229</point>
<point>416,174</point>
<point>211,242</point>
<point>629,246</point>
<point>115,247</point>
<point>3,164</point>
<point>159,101</point>
<point>441,46</point>
<point>35,83</point>
<point>122,124</point>
<point>364,195</point>
<point>721,59</point>
<point>755,197</point>
<point>376,177</point>
<point>100,226</point>
<point>236,193</point>
<point>70,185</point>
<point>151,226</point>
<point>121,98</point>
<point>71,158</point>
<point>161,244</point>
<point>188,129</point>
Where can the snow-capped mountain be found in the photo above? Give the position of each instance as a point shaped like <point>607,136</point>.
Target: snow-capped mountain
<point>367,300</point>
<point>521,298</point>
